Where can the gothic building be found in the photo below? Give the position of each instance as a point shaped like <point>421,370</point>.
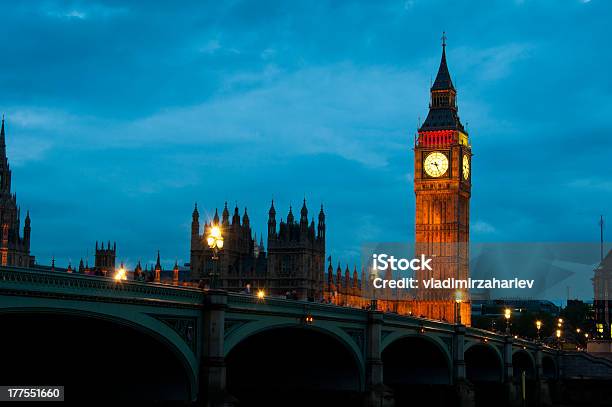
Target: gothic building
<point>105,259</point>
<point>293,264</point>
<point>296,255</point>
<point>14,249</point>
<point>442,187</point>
<point>242,260</point>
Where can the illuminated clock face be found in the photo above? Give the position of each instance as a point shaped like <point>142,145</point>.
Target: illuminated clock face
<point>436,164</point>
<point>466,167</point>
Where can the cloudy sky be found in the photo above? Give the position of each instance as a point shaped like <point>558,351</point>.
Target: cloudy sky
<point>120,115</point>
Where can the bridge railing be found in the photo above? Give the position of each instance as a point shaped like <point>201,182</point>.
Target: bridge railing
<point>33,282</point>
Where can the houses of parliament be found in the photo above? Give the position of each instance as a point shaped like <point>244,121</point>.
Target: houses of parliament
<point>292,262</point>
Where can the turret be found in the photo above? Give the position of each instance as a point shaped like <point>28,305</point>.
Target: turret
<point>27,229</point>
<point>175,274</point>
<point>138,272</point>
<point>347,277</point>
<point>225,220</point>
<point>321,226</point>
<point>236,217</point>
<point>290,218</point>
<point>304,215</point>
<point>158,270</point>
<point>216,218</point>
<point>272,221</point>
<point>245,218</point>
<point>195,227</point>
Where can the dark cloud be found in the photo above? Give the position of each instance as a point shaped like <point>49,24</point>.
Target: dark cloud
<point>122,114</point>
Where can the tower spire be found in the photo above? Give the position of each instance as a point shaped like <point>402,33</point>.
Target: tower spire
<point>2,140</point>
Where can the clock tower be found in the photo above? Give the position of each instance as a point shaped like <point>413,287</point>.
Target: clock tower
<point>442,186</point>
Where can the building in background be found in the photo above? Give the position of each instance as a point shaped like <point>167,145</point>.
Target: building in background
<point>242,261</point>
<point>14,249</point>
<point>296,255</point>
<point>602,297</point>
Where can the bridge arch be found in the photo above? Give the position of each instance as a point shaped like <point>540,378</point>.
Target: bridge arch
<point>433,339</point>
<point>549,367</point>
<point>254,327</point>
<point>418,368</point>
<point>483,362</point>
<point>261,359</point>
<point>522,360</point>
<point>148,334</point>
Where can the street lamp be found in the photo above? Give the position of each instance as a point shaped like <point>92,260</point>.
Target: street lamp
<point>261,294</point>
<point>558,338</point>
<point>539,326</point>
<point>120,274</point>
<point>215,242</point>
<point>458,300</point>
<point>507,313</point>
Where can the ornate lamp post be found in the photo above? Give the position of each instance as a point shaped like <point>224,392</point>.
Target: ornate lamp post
<point>507,314</point>
<point>538,326</point>
<point>215,242</point>
<point>458,300</point>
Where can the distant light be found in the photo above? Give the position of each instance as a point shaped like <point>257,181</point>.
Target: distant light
<point>560,320</point>
<point>558,333</point>
<point>538,324</point>
<point>215,232</point>
<point>507,313</point>
<point>261,294</point>
<point>120,274</point>
<point>577,330</point>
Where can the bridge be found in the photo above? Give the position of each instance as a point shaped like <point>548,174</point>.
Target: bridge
<point>158,342</point>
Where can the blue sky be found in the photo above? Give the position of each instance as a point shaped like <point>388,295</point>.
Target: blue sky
<point>120,115</point>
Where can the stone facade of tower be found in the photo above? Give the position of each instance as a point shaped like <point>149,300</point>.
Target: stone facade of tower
<point>242,261</point>
<point>296,255</point>
<point>442,186</point>
<point>14,249</point>
<point>105,259</point>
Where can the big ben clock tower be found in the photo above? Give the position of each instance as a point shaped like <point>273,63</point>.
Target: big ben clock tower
<point>442,186</point>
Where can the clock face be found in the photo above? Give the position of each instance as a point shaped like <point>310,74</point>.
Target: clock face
<point>466,167</point>
<point>436,164</point>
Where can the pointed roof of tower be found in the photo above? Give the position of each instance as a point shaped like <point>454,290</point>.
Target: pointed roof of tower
<point>195,213</point>
<point>290,215</point>
<point>2,138</point>
<point>216,217</point>
<point>158,264</point>
<point>443,108</point>
<point>443,79</point>
<point>272,211</point>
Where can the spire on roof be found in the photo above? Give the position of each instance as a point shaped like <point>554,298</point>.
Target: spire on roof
<point>443,80</point>
<point>158,264</point>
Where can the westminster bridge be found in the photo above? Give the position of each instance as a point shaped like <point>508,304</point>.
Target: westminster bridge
<point>153,341</point>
